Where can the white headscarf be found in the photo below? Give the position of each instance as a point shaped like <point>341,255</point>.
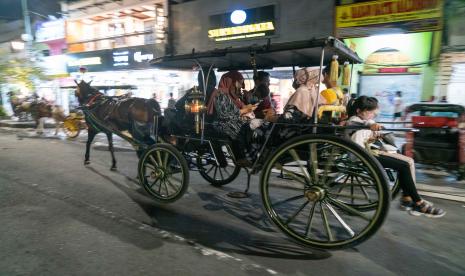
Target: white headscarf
<point>305,96</point>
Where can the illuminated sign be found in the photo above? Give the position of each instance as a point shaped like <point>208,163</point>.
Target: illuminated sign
<point>85,61</point>
<point>121,58</point>
<point>404,15</point>
<point>241,24</point>
<point>127,58</point>
<point>238,17</point>
<point>139,57</point>
<point>50,30</point>
<point>245,29</point>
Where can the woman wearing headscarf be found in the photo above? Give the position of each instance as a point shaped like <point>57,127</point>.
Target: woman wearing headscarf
<point>227,109</point>
<point>300,106</point>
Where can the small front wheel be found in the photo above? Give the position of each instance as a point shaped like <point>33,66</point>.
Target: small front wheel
<point>163,172</point>
<point>211,169</point>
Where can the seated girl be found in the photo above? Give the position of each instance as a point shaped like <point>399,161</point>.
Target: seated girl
<point>362,112</point>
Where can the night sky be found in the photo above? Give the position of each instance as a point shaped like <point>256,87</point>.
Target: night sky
<point>11,9</point>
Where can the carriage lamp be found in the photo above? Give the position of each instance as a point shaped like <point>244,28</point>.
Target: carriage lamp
<point>196,106</point>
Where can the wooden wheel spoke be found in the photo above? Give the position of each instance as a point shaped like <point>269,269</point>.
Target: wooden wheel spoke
<point>173,186</point>
<point>150,166</point>
<point>310,219</point>
<point>296,212</point>
<point>165,159</point>
<point>347,195</point>
<point>326,223</point>
<point>328,166</point>
<point>297,159</point>
<point>158,155</point>
<point>341,221</point>
<point>221,173</point>
<point>153,161</point>
<point>348,209</point>
<point>291,174</point>
<point>153,183</point>
<point>210,169</point>
<point>214,174</point>
<point>288,200</point>
<point>166,188</point>
<point>313,163</point>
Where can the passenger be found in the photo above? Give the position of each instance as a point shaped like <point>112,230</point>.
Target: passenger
<point>227,109</point>
<point>362,112</point>
<point>260,94</point>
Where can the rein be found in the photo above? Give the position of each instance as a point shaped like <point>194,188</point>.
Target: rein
<point>93,99</point>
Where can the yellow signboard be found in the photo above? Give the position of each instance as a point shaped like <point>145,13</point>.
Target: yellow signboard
<point>241,30</point>
<point>387,11</point>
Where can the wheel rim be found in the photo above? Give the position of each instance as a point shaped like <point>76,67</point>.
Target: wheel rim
<point>213,172</point>
<point>71,129</point>
<point>163,173</point>
<point>307,205</point>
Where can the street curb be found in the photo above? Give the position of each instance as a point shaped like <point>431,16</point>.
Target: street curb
<point>27,124</point>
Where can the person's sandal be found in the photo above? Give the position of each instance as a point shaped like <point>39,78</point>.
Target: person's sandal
<point>427,210</point>
<point>408,205</point>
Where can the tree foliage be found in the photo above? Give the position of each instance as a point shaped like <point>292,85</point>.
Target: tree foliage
<point>21,70</point>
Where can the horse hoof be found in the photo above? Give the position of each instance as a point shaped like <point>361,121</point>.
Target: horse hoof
<point>86,162</point>
<point>113,169</point>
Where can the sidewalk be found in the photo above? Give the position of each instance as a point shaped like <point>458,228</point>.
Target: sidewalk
<point>25,124</point>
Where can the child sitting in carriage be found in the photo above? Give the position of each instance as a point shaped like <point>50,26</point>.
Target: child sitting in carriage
<point>362,112</point>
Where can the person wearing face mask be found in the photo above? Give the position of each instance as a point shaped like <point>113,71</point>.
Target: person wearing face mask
<point>362,112</point>
<point>227,109</point>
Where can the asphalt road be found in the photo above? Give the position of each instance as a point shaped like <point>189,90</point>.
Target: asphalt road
<point>59,217</point>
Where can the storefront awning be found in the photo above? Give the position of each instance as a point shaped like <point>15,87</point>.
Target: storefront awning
<point>298,53</point>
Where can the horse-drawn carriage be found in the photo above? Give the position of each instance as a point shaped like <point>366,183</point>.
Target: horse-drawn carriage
<point>331,194</point>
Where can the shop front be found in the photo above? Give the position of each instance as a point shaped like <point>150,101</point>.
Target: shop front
<point>127,66</point>
<point>400,43</point>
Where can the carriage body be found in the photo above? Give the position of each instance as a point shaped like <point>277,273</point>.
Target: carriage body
<point>440,139</point>
<point>319,188</point>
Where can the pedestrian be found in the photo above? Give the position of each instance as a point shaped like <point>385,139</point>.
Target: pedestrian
<point>171,102</point>
<point>398,106</point>
<point>362,113</point>
<point>260,95</point>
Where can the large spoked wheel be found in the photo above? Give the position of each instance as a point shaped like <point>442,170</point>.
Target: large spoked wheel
<point>308,207</point>
<point>214,172</point>
<point>71,127</point>
<point>163,172</point>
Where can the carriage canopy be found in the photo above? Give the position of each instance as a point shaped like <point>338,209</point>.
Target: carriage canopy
<point>297,53</point>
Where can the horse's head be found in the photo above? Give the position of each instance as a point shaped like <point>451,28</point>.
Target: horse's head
<point>84,91</point>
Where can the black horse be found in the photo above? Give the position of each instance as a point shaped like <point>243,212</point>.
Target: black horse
<point>113,114</point>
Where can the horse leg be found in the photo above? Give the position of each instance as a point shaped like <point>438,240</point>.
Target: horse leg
<point>111,149</point>
<point>90,137</point>
<point>40,125</point>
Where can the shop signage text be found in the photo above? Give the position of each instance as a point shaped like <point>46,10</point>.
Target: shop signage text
<point>255,22</point>
<point>260,28</point>
<point>396,70</point>
<point>387,11</point>
<point>408,15</point>
<point>85,61</point>
<point>116,59</point>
